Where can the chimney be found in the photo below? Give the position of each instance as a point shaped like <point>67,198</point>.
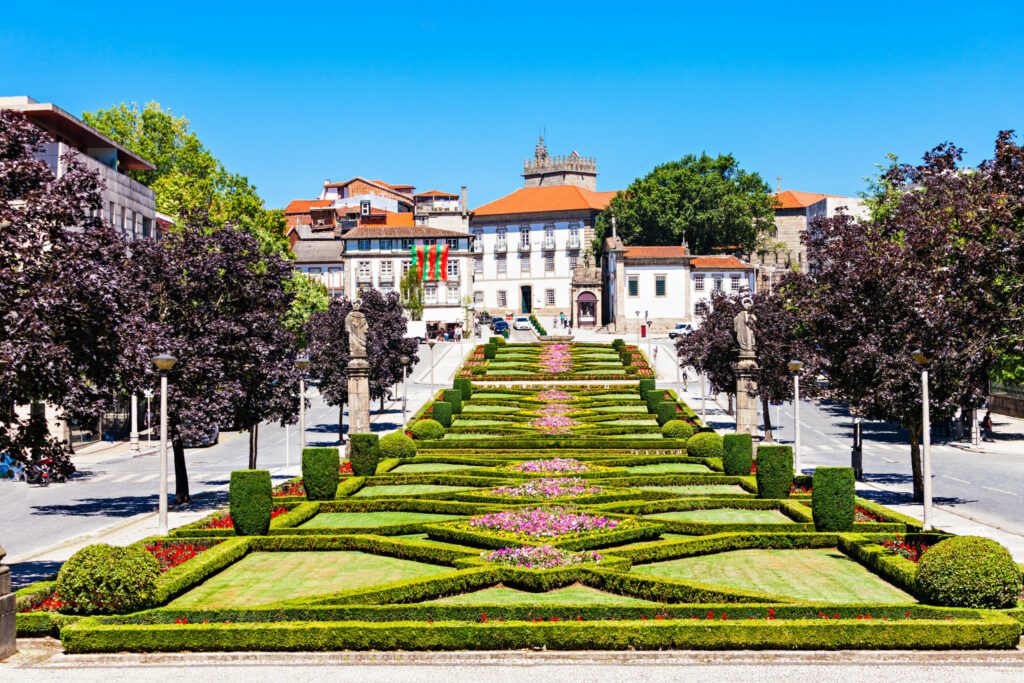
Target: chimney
<point>462,194</point>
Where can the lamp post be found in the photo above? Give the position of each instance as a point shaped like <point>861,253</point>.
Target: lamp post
<point>638,330</point>
<point>923,360</point>
<point>302,363</point>
<point>795,367</point>
<point>650,342</point>
<point>405,393</point>
<point>133,433</point>
<point>431,345</point>
<point>164,362</point>
<point>148,393</point>
<point>703,399</point>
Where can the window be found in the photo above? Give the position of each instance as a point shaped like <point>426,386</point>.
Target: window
<point>549,297</point>
<point>406,265</point>
<point>659,285</point>
<point>501,233</point>
<point>502,299</point>
<point>524,264</point>
<point>429,242</point>
<point>718,283</point>
<point>478,298</point>
<point>701,308</point>
<point>478,265</point>
<point>387,270</point>
<point>363,245</point>
<point>524,235</point>
<point>314,270</point>
<point>499,260</point>
<point>385,245</point>
<point>453,294</point>
<point>408,244</point>
<point>453,269</point>
<point>634,285</point>
<point>549,263</point>
<point>734,283</point>
<point>430,294</point>
<point>573,259</point>
<point>698,283</point>
<point>334,277</point>
<point>453,243</point>
<point>363,271</point>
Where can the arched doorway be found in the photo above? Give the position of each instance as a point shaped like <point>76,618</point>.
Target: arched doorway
<point>586,310</point>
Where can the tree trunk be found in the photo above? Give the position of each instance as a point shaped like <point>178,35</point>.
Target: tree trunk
<point>181,496</point>
<point>381,404</point>
<point>254,437</point>
<point>729,410</point>
<point>915,461</point>
<point>766,409</point>
<point>341,423</point>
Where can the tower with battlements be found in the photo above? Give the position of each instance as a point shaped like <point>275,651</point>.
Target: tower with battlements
<point>544,170</point>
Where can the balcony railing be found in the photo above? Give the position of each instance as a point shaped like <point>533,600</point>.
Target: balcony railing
<point>478,246</point>
<point>549,243</point>
<point>364,278</point>
<point>524,246</point>
<point>500,247</point>
<point>387,278</point>
<point>574,242</point>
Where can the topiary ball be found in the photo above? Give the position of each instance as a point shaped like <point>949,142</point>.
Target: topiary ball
<point>103,579</point>
<point>677,429</point>
<point>427,429</point>
<point>968,571</point>
<point>396,445</point>
<point>705,445</point>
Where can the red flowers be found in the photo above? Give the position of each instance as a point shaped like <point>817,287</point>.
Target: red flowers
<point>793,488</point>
<point>290,489</point>
<point>862,515</point>
<point>225,521</point>
<point>900,546</point>
<point>346,467</point>
<point>50,604</point>
<point>172,553</point>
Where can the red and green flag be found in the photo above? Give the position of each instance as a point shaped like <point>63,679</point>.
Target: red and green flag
<point>430,263</point>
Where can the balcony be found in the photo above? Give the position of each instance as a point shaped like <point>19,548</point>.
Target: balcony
<point>549,243</point>
<point>364,278</point>
<point>524,246</point>
<point>478,246</point>
<point>500,247</point>
<point>574,242</point>
<point>387,278</point>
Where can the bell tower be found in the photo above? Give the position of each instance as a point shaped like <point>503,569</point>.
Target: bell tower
<point>545,170</point>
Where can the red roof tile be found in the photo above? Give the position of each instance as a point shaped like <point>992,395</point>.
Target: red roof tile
<point>656,252</point>
<point>547,199</point>
<point>791,199</point>
<point>304,205</point>
<point>399,231</point>
<point>712,262</point>
<point>436,193</point>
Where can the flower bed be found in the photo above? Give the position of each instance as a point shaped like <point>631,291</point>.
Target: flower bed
<point>537,523</point>
<point>51,603</point>
<point>898,545</point>
<point>555,359</point>
<point>554,395</point>
<point>224,521</point>
<point>540,557</point>
<point>548,489</point>
<point>290,488</point>
<point>170,554</point>
<point>552,466</point>
<point>554,424</point>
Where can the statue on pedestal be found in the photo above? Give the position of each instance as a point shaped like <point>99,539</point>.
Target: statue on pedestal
<point>742,326</point>
<point>355,325</point>
<point>358,371</point>
<point>746,369</point>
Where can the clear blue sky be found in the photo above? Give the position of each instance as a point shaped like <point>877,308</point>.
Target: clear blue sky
<point>444,94</point>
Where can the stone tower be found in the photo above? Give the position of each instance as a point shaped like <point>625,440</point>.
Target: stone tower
<point>544,170</point>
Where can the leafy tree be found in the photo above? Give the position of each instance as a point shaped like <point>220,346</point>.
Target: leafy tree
<point>327,344</point>
<point>710,201</point>
<point>219,305</point>
<point>188,177</point>
<point>69,329</point>
<point>412,294</point>
<point>712,348</point>
<point>940,272</point>
<point>310,297</point>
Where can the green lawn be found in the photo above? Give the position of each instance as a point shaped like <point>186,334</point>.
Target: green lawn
<point>405,490</point>
<point>699,489</point>
<point>571,596</point>
<point>472,422</point>
<point>326,520</point>
<point>261,578</point>
<point>414,467</point>
<point>494,395</point>
<point>732,515</point>
<point>641,409</point>
<point>615,397</point>
<point>821,575</point>
<point>669,468</point>
<point>470,408</point>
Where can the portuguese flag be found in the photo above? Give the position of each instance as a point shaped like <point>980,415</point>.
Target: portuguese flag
<point>430,263</point>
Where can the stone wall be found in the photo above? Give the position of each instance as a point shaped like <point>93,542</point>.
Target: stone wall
<point>7,618</point>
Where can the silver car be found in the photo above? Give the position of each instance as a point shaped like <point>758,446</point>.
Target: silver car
<point>521,323</point>
<point>680,330</point>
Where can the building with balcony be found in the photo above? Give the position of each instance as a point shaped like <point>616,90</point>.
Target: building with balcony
<point>436,209</point>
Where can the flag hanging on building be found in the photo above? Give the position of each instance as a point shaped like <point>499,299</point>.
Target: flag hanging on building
<point>430,263</point>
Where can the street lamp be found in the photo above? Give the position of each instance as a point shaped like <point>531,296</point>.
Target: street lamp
<point>405,393</point>
<point>638,330</point>
<point>164,362</point>
<point>923,360</point>
<point>431,345</point>
<point>302,363</point>
<point>650,354</point>
<point>795,367</point>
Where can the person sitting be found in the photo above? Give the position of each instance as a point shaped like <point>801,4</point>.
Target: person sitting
<point>987,434</point>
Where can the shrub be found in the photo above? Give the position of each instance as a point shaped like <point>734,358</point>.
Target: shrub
<point>396,445</point>
<point>497,341</point>
<point>738,454</point>
<point>364,453</point>
<point>102,579</point>
<point>653,398</point>
<point>465,386</point>
<point>490,350</point>
<point>626,357</point>
<point>251,499</point>
<point>666,412</point>
<point>630,370</point>
<point>967,571</point>
<point>832,495</point>
<point>677,429</point>
<point>617,344</point>
<point>454,398</point>
<point>427,429</point>
<point>646,385</point>
<point>478,371</point>
<point>442,412</point>
<point>320,472</point>
<point>774,471</point>
<point>705,445</point>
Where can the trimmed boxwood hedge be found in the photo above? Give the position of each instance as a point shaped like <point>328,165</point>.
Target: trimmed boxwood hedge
<point>705,445</point>
<point>103,579</point>
<point>250,499</point>
<point>774,471</point>
<point>441,411</point>
<point>427,429</point>
<point>396,445</point>
<point>738,454</point>
<point>454,398</point>
<point>465,386</point>
<point>320,472</point>
<point>646,385</point>
<point>490,350</point>
<point>364,454</point>
<point>833,497</point>
<point>677,429</point>
<point>666,412</point>
<point>968,571</point>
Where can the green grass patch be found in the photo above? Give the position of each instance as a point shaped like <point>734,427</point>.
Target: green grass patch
<point>638,409</point>
<point>726,515</point>
<point>699,489</point>
<point>670,468</point>
<point>416,467</point>
<point>818,575</point>
<point>470,408</point>
<point>571,596</point>
<point>326,520</point>
<point>405,490</point>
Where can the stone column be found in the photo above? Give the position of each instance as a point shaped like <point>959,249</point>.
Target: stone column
<point>746,395</point>
<point>358,396</point>
<point>7,627</point>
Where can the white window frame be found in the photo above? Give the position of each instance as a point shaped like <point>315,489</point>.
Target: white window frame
<point>549,297</point>
<point>502,298</point>
<point>698,282</point>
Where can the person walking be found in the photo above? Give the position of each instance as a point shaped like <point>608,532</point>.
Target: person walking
<point>987,434</point>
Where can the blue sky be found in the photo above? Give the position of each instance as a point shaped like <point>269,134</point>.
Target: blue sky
<point>444,94</point>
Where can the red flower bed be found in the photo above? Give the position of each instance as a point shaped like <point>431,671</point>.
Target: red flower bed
<point>290,489</point>
<point>172,553</point>
<point>904,548</point>
<point>793,488</point>
<point>864,515</point>
<point>346,467</point>
<point>225,521</point>
<point>50,604</point>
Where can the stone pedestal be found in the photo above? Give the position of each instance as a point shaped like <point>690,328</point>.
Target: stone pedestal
<point>7,627</point>
<point>358,396</point>
<point>746,395</point>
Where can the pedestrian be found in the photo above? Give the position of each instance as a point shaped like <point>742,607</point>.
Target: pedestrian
<point>458,334</point>
<point>986,427</point>
<point>554,323</point>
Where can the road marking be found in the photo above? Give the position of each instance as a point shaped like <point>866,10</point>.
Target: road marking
<point>962,481</point>
<point>889,460</point>
<point>102,477</point>
<point>121,480</point>
<point>882,446</point>
<point>1009,493</point>
<point>148,477</point>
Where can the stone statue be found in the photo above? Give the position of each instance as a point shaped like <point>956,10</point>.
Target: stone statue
<point>742,325</point>
<point>355,325</point>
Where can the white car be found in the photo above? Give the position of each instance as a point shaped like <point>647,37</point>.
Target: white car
<point>521,323</point>
<point>680,330</point>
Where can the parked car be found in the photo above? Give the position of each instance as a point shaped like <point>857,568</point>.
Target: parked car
<point>484,319</point>
<point>499,326</point>
<point>680,330</point>
<point>521,323</point>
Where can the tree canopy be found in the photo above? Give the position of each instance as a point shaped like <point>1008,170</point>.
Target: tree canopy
<point>711,201</point>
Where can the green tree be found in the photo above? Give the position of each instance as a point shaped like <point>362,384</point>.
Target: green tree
<point>188,177</point>
<point>710,201</point>
<point>412,294</point>
<point>310,297</point>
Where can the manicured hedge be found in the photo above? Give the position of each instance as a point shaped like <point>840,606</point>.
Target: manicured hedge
<point>427,429</point>
<point>490,350</point>
<point>442,413</point>
<point>774,471</point>
<point>454,398</point>
<point>465,386</point>
<point>251,498</point>
<point>705,445</point>
<point>666,412</point>
<point>833,496</point>
<point>969,571</point>
<point>677,429</point>
<point>364,454</point>
<point>738,454</point>
<point>396,445</point>
<point>320,472</point>
<point>103,579</point>
<point>646,385</point>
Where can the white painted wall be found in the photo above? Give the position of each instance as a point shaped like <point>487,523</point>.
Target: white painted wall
<point>673,305</point>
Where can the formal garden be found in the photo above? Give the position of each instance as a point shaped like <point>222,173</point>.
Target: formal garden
<point>500,360</point>
<point>594,515</point>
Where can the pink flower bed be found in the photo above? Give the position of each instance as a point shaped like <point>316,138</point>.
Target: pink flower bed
<point>549,522</point>
<point>555,409</point>
<point>570,465</point>
<point>555,358</point>
<point>554,395</point>
<point>549,488</point>
<point>554,424</point>
<point>540,557</point>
